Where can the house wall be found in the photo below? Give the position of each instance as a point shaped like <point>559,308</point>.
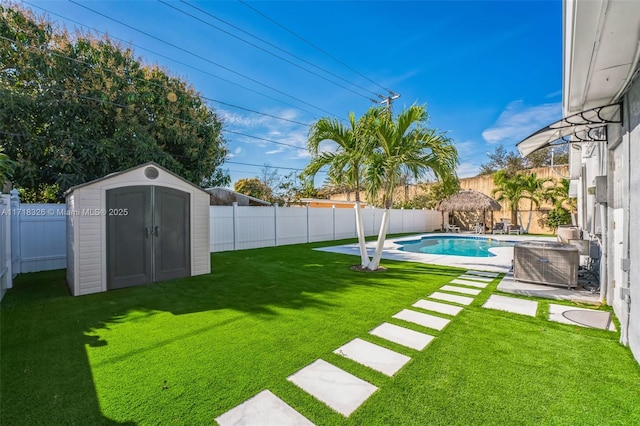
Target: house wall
<point>632,103</point>
<point>89,230</point>
<point>612,222</point>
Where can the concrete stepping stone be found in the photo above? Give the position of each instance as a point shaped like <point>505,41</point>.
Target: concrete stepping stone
<point>373,356</point>
<point>511,304</point>
<point>402,336</point>
<point>335,387</point>
<point>462,290</point>
<point>463,300</point>
<point>264,409</point>
<point>425,320</point>
<point>442,308</point>
<point>468,283</point>
<point>483,274</point>
<point>475,278</point>
<point>581,316</point>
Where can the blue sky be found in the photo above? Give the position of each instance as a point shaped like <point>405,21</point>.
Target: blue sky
<point>489,72</point>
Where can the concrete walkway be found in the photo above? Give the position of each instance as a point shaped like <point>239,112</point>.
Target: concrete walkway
<point>345,392</point>
<point>341,390</point>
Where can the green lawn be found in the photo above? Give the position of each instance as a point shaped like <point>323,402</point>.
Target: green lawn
<point>186,351</point>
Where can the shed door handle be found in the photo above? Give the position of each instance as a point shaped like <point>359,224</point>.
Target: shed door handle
<point>149,231</point>
<point>157,229</point>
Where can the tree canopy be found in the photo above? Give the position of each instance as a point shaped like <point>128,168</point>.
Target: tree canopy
<point>76,107</point>
<point>512,162</point>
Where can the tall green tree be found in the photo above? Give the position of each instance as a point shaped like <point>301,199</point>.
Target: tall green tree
<point>537,191</point>
<point>511,189</point>
<point>404,145</point>
<point>346,162</point>
<point>76,107</point>
<point>254,187</point>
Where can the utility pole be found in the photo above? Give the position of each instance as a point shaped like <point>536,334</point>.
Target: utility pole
<point>387,100</point>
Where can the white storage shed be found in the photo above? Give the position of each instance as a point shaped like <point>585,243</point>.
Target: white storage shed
<point>134,227</point>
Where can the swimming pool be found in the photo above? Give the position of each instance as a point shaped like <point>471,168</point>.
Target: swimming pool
<point>454,245</point>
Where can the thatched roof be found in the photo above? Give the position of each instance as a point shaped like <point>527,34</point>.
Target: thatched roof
<point>468,200</point>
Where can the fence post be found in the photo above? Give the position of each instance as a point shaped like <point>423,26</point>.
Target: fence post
<point>333,207</point>
<point>15,233</point>
<point>308,227</point>
<point>275,225</point>
<point>6,275</point>
<point>235,225</point>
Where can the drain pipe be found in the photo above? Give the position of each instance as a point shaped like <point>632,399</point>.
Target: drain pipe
<point>604,287</point>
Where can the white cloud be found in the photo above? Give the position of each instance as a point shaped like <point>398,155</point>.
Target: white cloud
<point>468,169</point>
<point>518,121</point>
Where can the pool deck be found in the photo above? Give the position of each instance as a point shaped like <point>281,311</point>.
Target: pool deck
<point>501,262</point>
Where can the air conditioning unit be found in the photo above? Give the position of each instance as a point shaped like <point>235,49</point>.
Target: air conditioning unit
<point>549,263</point>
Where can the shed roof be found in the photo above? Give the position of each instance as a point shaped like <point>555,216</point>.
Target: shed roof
<point>225,197</point>
<point>112,175</point>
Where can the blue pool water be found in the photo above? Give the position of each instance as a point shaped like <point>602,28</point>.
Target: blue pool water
<point>454,246</point>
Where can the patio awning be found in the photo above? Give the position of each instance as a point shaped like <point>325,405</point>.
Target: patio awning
<point>585,126</point>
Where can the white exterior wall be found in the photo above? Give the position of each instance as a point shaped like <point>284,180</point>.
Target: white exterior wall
<point>632,221</point>
<point>89,231</point>
<point>615,223</point>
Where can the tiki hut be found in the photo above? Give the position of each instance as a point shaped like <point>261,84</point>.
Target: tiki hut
<point>468,200</point>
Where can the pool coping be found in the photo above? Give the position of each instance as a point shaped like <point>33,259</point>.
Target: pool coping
<point>502,262</point>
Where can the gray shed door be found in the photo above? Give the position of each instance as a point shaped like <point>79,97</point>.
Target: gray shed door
<point>148,235</point>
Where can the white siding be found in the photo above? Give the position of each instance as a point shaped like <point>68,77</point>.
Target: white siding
<point>633,253</point>
<point>200,257</point>
<point>71,246</point>
<point>89,231</point>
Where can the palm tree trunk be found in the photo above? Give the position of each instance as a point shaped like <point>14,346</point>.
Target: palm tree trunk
<point>526,230</point>
<point>382,235</point>
<point>364,256</point>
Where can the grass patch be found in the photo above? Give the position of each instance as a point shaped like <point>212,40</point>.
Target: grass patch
<point>188,350</point>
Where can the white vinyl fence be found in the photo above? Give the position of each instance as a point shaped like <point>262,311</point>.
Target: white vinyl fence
<point>243,227</point>
<point>33,236</point>
<point>6,277</point>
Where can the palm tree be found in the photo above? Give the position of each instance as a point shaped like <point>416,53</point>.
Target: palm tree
<point>536,191</point>
<point>405,145</point>
<point>513,188</point>
<point>346,163</point>
<point>510,189</point>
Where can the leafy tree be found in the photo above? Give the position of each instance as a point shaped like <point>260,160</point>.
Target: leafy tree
<point>292,187</point>
<point>6,168</point>
<point>501,159</point>
<point>512,162</point>
<point>556,217</point>
<point>75,108</point>
<point>433,193</point>
<point>254,187</point>
<point>404,145</point>
<point>346,164</point>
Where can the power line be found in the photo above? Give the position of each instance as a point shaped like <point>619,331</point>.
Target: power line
<point>174,60</point>
<point>312,45</point>
<point>200,57</point>
<point>93,66</point>
<point>266,166</point>
<point>277,47</point>
<point>262,49</point>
